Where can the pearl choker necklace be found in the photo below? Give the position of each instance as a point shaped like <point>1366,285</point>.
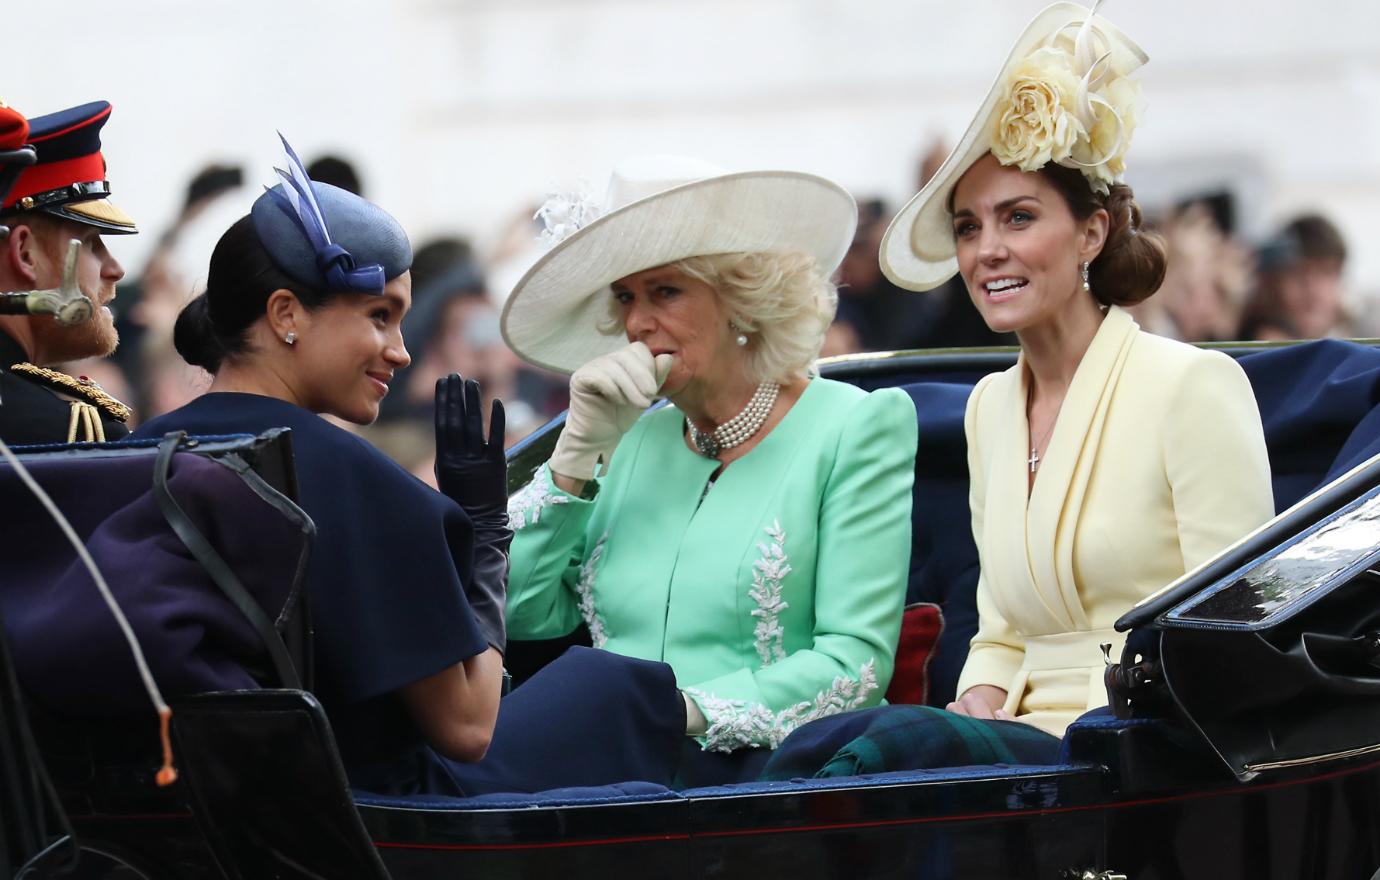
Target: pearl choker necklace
<point>739,428</point>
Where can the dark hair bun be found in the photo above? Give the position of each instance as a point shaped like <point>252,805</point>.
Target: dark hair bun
<point>1132,263</point>
<point>195,336</point>
<point>242,277</point>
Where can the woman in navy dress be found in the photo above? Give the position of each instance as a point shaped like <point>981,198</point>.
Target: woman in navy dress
<point>406,585</point>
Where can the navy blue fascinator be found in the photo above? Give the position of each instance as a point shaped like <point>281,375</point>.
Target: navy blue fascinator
<point>326,237</point>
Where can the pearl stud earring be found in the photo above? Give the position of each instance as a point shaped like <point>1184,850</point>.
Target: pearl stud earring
<point>741,339</point>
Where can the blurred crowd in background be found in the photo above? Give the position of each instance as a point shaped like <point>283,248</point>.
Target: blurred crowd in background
<point>1218,287</point>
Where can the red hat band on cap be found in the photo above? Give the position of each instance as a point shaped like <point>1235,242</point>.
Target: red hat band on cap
<point>55,175</point>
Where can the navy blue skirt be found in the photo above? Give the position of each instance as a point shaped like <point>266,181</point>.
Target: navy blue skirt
<point>589,718</point>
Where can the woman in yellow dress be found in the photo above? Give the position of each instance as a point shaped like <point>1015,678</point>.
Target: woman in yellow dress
<point>1107,461</point>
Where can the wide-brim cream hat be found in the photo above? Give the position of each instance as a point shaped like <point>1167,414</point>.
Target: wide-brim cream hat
<point>1086,59</point>
<point>660,209</point>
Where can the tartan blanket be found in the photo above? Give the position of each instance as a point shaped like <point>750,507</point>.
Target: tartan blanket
<point>888,738</point>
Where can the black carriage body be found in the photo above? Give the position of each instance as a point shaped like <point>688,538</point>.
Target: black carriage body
<point>263,795</point>
<point>269,795</point>
<point>1037,825</point>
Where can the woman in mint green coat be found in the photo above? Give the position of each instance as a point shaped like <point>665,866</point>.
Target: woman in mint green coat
<point>755,534</point>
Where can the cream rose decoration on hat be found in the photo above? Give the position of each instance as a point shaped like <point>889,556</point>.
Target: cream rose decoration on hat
<point>1064,95</point>
<point>1102,155</point>
<point>1065,103</point>
<point>1038,125</point>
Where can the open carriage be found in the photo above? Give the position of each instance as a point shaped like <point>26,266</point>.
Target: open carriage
<point>1243,740</point>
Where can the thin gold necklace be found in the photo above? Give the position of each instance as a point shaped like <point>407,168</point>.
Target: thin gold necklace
<point>1034,460</point>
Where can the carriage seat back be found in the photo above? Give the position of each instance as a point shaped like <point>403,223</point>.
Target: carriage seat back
<point>166,527</point>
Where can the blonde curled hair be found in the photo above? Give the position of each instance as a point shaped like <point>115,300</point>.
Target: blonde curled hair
<point>781,300</point>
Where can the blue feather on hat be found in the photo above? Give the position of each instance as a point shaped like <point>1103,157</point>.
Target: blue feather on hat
<point>295,221</point>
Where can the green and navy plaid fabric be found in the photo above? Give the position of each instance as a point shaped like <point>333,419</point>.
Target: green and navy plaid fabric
<point>891,738</point>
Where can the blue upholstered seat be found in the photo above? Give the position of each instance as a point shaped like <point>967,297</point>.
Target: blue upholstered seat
<point>645,792</point>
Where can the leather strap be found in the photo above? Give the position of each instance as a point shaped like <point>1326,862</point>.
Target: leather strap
<point>221,573</point>
<point>294,621</point>
<point>92,189</point>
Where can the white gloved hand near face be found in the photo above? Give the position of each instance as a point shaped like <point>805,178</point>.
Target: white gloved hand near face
<point>606,396</point>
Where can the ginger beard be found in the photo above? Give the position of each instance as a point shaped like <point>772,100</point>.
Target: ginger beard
<point>97,274</point>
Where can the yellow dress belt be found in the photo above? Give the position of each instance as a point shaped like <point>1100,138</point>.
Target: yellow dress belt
<point>1069,650</point>
<point>1079,651</point>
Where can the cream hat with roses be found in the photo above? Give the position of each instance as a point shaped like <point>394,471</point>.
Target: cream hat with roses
<point>660,209</point>
<point>1063,96</point>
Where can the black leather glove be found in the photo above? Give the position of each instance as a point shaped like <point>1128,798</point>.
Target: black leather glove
<point>474,473</point>
<point>470,470</point>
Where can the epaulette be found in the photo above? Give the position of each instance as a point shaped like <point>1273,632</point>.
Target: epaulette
<point>79,387</point>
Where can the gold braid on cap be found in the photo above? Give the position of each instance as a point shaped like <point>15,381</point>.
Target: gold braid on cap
<point>83,388</point>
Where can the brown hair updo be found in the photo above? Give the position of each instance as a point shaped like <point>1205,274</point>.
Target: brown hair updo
<point>1132,263</point>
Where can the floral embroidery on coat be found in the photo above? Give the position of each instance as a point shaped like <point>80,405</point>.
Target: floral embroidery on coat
<point>735,724</point>
<point>584,588</point>
<point>768,572</point>
<point>526,504</point>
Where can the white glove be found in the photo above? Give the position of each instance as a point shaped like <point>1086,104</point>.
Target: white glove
<point>606,397</point>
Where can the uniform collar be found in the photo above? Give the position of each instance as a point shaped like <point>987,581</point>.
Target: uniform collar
<point>11,352</point>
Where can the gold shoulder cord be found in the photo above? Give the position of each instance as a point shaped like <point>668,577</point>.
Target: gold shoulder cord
<point>88,419</point>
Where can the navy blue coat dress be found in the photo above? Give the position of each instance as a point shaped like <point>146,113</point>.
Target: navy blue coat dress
<point>386,586</point>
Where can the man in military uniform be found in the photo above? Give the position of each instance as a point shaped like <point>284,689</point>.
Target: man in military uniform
<point>59,198</point>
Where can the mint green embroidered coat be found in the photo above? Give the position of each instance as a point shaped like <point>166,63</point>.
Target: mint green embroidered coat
<point>776,600</point>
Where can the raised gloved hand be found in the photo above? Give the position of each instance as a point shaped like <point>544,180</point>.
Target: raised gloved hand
<point>474,473</point>
<point>606,397</point>
<point>470,470</point>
